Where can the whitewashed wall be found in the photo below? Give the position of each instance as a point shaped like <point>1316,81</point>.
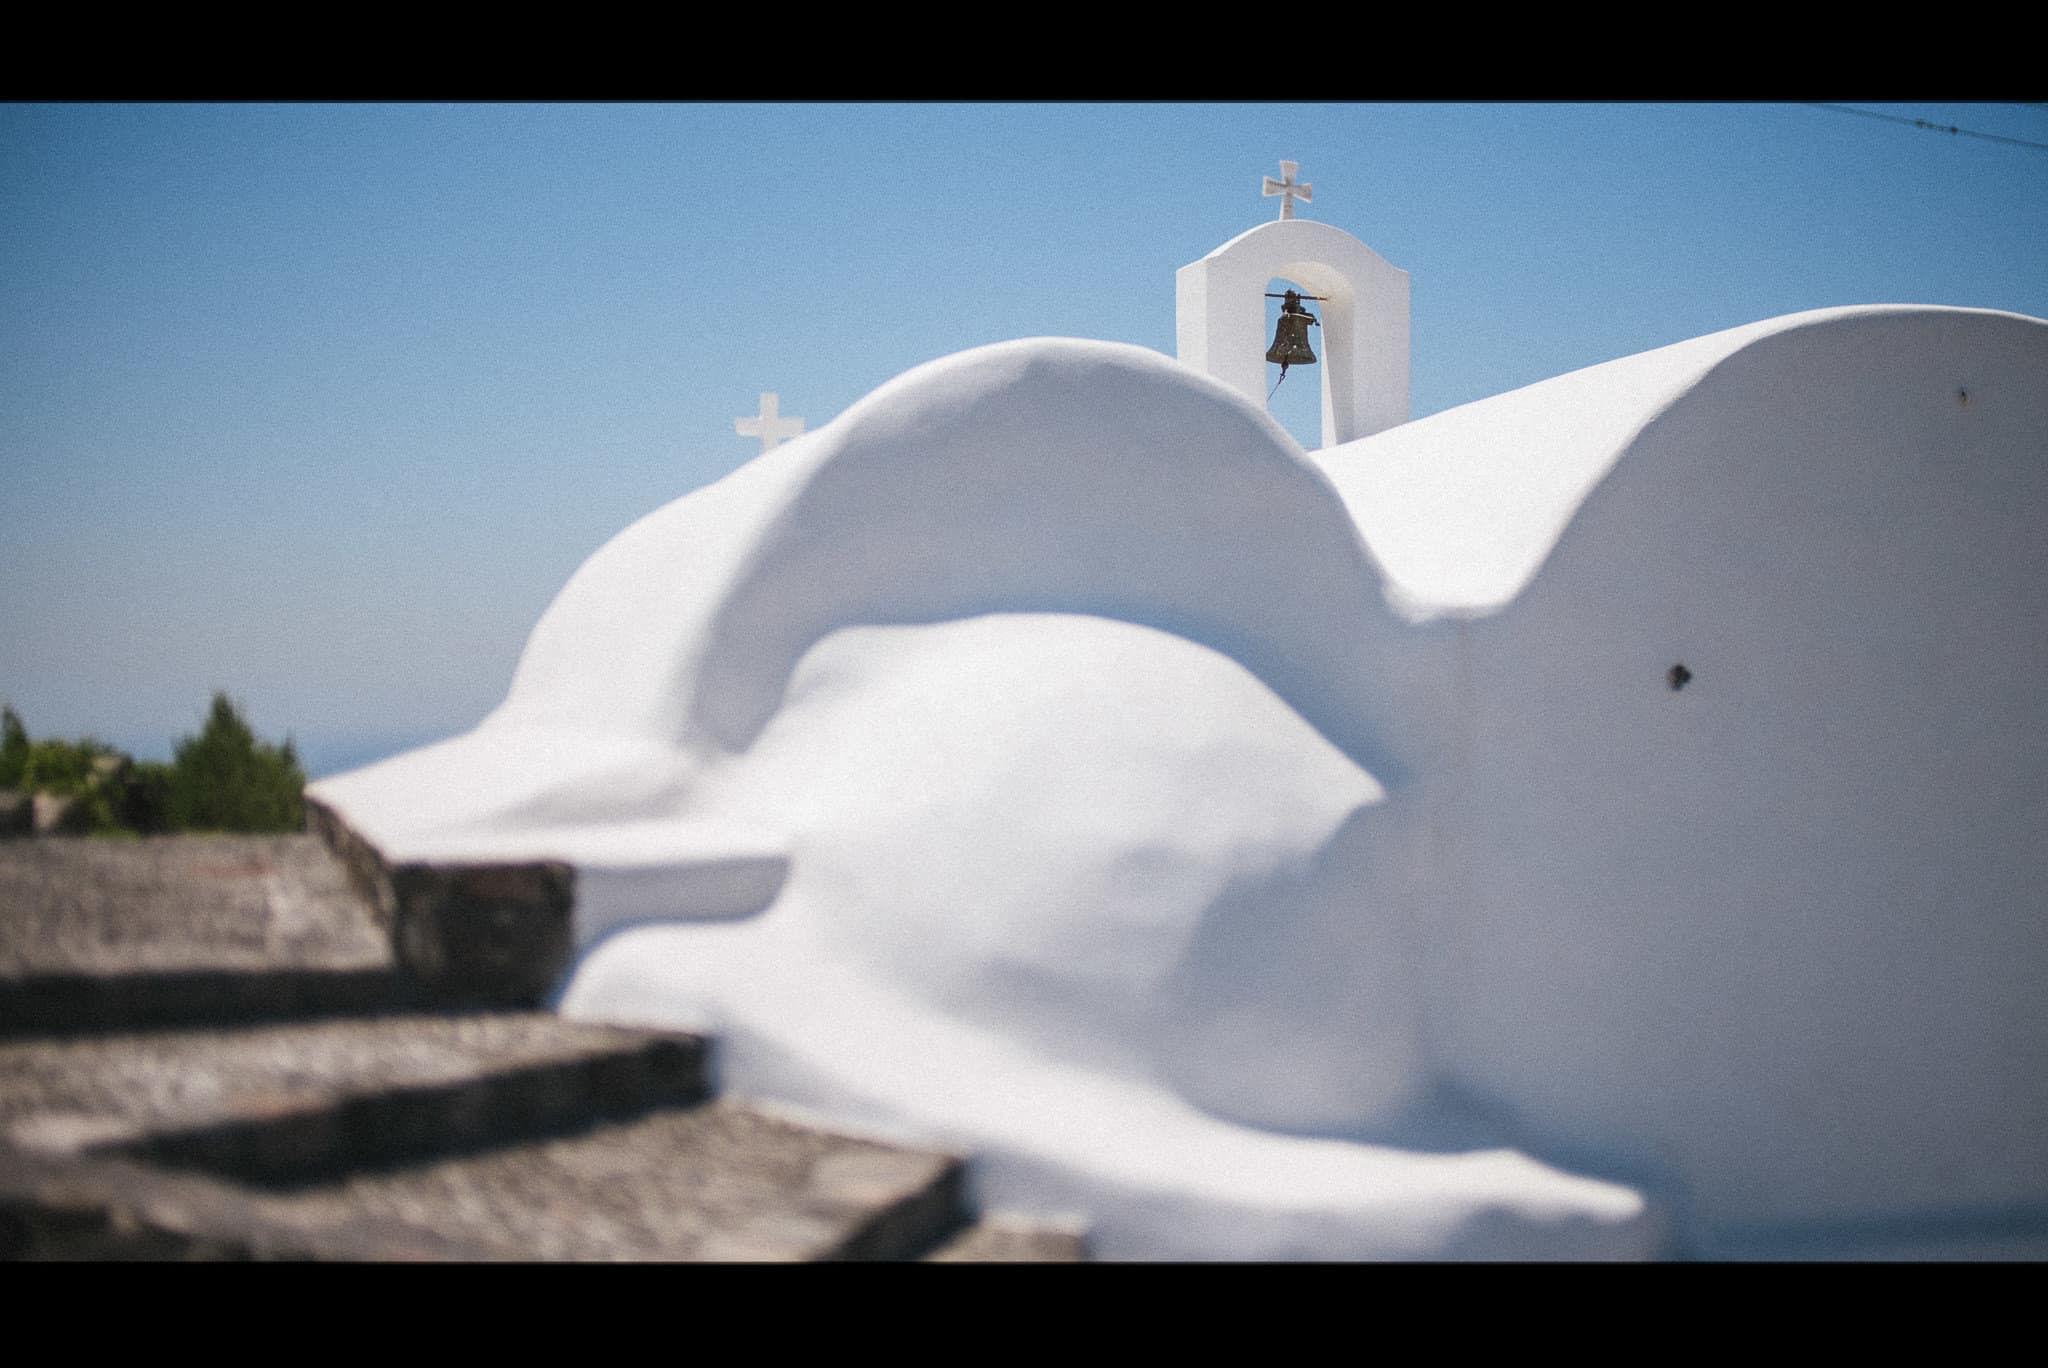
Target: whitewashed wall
<point>1780,933</point>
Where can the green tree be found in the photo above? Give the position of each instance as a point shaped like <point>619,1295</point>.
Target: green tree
<point>13,749</point>
<point>224,779</point>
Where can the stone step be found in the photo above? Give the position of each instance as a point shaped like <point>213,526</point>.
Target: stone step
<point>110,934</point>
<point>100,934</point>
<point>264,1047</point>
<point>719,1181</point>
<point>305,1100</point>
<point>183,903</point>
<point>66,1207</point>
<point>722,1181</point>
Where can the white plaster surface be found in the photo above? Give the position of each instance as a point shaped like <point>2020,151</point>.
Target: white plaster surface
<point>1780,932</point>
<point>1038,758</point>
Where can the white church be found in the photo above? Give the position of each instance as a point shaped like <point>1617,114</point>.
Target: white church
<point>1607,820</point>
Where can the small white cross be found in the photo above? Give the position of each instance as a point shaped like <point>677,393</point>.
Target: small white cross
<point>1287,190</point>
<point>770,426</point>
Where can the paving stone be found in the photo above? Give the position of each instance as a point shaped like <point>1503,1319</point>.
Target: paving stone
<point>171,904</point>
<point>106,934</point>
<point>720,1181</point>
<point>1012,1240</point>
<point>66,1207</point>
<point>494,934</point>
<point>286,1102</point>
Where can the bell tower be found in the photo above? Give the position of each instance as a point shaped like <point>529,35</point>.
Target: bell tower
<point>1220,316</point>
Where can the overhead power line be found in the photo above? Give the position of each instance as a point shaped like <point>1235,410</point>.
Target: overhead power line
<point>1931,127</point>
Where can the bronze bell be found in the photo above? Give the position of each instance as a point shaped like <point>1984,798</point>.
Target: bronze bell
<point>1290,339</point>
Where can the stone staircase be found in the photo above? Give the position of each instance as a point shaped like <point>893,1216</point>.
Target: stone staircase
<point>282,1047</point>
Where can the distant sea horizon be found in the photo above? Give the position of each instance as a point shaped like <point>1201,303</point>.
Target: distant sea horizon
<point>325,756</point>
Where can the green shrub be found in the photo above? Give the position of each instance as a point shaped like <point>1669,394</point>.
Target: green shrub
<point>89,772</point>
<point>223,779</point>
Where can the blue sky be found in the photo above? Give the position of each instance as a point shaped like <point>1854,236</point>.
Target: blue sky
<point>322,404</point>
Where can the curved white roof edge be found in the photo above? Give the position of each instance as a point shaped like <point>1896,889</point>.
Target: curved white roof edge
<point>1462,508</point>
<point>1300,227</point>
<point>894,511</point>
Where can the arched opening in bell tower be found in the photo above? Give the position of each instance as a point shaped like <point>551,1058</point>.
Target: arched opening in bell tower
<point>1297,403</point>
<point>1307,410</point>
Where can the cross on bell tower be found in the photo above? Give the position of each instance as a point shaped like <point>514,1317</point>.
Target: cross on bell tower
<point>1287,189</point>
